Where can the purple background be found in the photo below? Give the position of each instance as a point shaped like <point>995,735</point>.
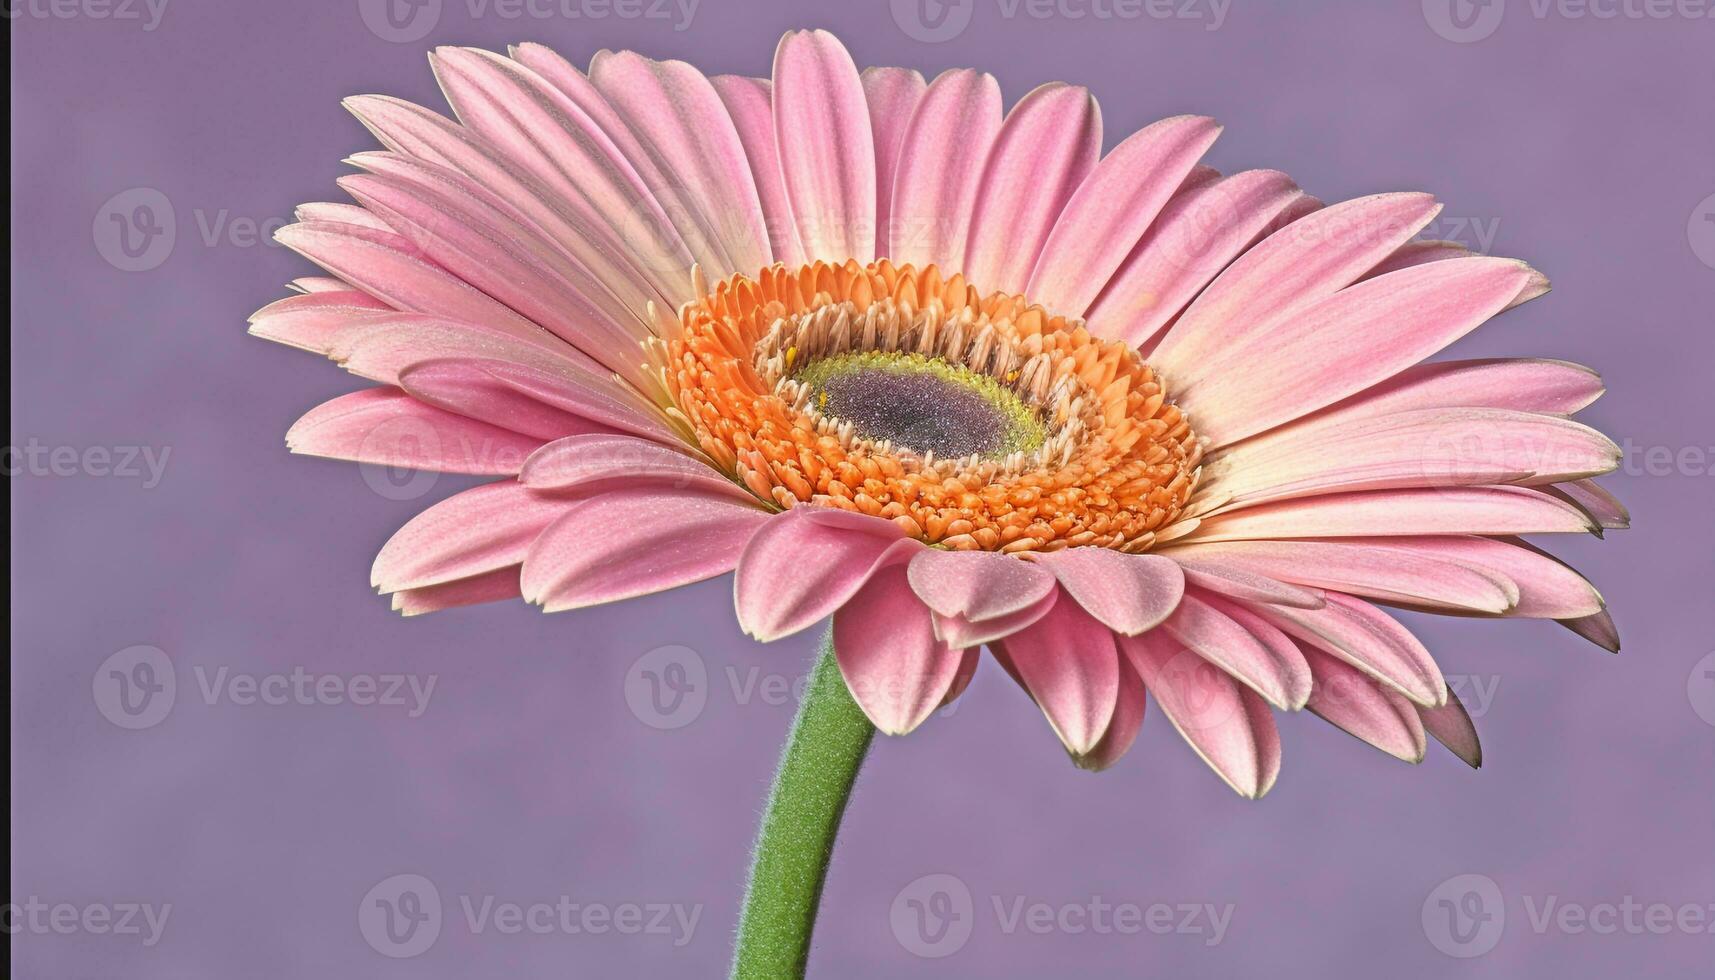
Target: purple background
<point>1584,145</point>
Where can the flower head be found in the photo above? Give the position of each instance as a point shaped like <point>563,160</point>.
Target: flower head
<point>952,377</point>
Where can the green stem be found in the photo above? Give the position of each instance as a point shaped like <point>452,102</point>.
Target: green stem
<point>817,769</point>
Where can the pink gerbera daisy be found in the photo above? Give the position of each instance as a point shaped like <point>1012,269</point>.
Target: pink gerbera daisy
<point>950,376</point>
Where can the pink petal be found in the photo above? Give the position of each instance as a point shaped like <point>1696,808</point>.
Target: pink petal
<point>386,427</point>
<point>1111,210</point>
<point>470,533</point>
<point>319,284</point>
<point>605,462</point>
<point>896,669</point>
<point>750,102</point>
<point>388,267</point>
<point>1446,510</point>
<point>675,114</point>
<point>1128,593</point>
<point>481,390</point>
<point>1523,384</point>
<point>312,321</point>
<point>1210,626</point>
<point>1202,228</point>
<point>1357,705</point>
<point>1598,629</point>
<point>1359,568</point>
<point>1420,251</point>
<point>1545,587</point>
<point>977,585</point>
<point>661,217</point>
<point>892,95</point>
<point>1369,640</point>
<point>968,661</point>
<point>379,348</point>
<point>635,542</point>
<point>1451,725</point>
<point>1049,143</point>
<point>1068,663</point>
<point>495,586</point>
<point>1603,507</point>
<point>1211,711</point>
<point>345,214</point>
<point>572,388</point>
<point>463,228</point>
<point>1344,343</point>
<point>1423,447</point>
<point>1307,261</point>
<point>939,169</point>
<point>588,200</point>
<point>582,152</point>
<point>827,151</point>
<point>1122,729</point>
<point>1212,575</point>
<point>807,562</point>
<point>959,631</point>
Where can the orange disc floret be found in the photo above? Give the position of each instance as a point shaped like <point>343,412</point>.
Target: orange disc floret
<point>1090,451</point>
